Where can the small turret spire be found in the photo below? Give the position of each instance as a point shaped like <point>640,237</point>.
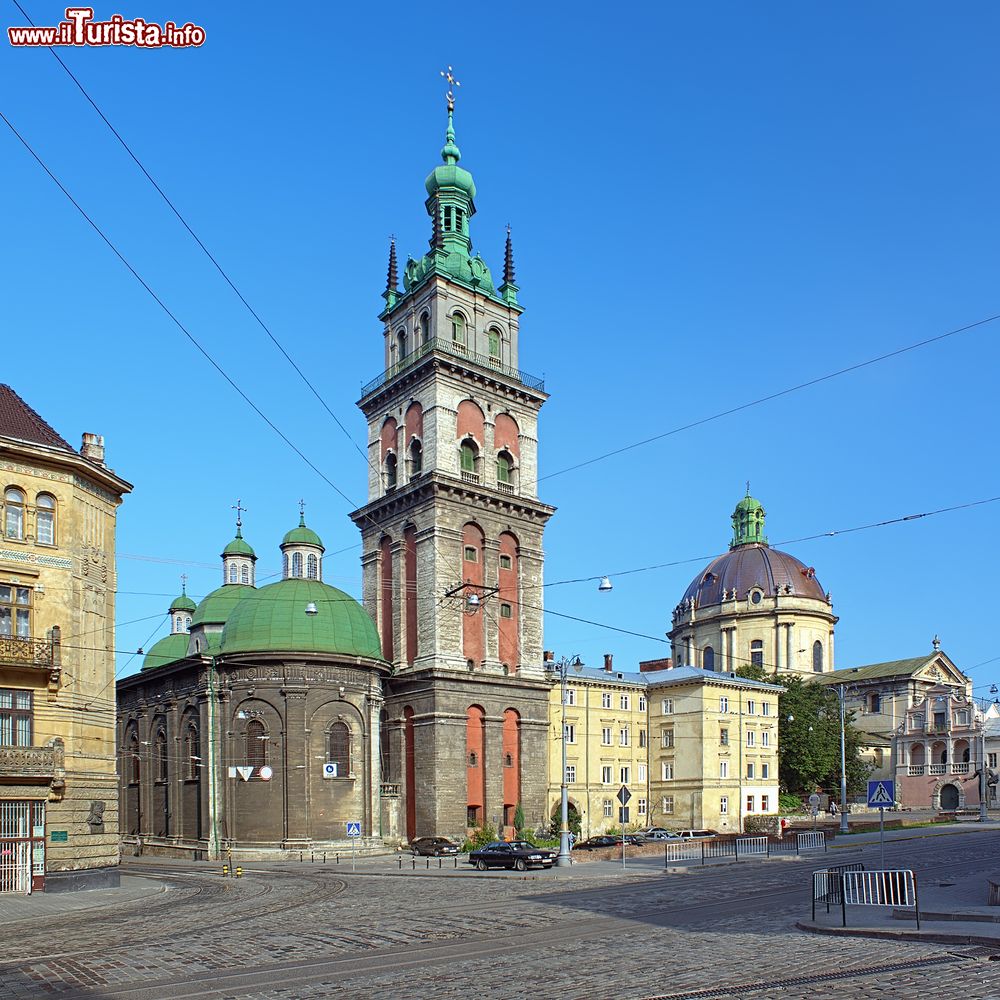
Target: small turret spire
<point>509,287</point>
<point>748,522</point>
<point>302,513</point>
<point>450,153</point>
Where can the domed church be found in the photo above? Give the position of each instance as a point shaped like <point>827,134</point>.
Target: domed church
<point>256,722</point>
<point>754,605</point>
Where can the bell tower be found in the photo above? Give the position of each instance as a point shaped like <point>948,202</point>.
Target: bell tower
<point>452,530</point>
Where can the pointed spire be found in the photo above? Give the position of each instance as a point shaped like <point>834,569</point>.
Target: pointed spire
<point>509,287</point>
<point>392,277</point>
<point>450,153</point>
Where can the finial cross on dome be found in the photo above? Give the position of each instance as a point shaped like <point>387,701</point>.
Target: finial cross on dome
<point>748,487</point>
<point>184,583</point>
<point>240,509</point>
<point>449,75</point>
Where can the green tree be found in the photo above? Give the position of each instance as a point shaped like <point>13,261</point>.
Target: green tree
<point>519,820</point>
<point>809,737</point>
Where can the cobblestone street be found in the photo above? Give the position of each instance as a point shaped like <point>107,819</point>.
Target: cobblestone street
<point>312,930</point>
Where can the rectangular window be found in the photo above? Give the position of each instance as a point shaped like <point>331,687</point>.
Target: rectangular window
<point>505,562</point>
<point>606,736</point>
<point>623,736</point>
<point>506,611</point>
<point>570,696</point>
<point>749,803</point>
<point>624,772</point>
<point>724,705</point>
<point>991,760</point>
<point>642,703</point>
<point>765,738</point>
<point>751,707</point>
<point>723,768</point>
<point>642,737</point>
<point>667,770</point>
<point>570,731</point>
<point>667,706</point>
<point>608,809</point>
<point>15,718</point>
<point>668,805</point>
<point>605,699</point>
<point>641,807</point>
<point>624,702</point>
<point>724,737</point>
<point>765,708</point>
<point>765,771</point>
<point>606,774</point>
<point>470,554</point>
<point>750,769</point>
<point>15,611</point>
<point>763,803</point>
<point>666,738</point>
<point>751,738</point>
<point>642,772</point>
<point>570,774</point>
<point>962,718</point>
<point>724,805</point>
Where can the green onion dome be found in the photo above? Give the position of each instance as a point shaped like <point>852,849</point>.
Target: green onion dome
<point>216,607</point>
<point>274,619</point>
<point>302,536</point>
<point>167,650</point>
<point>183,603</point>
<point>239,546</point>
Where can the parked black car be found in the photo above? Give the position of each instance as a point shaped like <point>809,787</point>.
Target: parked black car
<point>593,843</point>
<point>434,847</point>
<point>517,854</point>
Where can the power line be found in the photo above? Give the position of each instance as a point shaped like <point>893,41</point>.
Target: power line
<point>774,395</point>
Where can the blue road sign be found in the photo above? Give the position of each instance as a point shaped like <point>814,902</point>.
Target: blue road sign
<point>881,794</point>
<point>353,829</point>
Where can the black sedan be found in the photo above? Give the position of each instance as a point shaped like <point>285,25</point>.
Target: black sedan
<point>517,854</point>
<point>434,847</point>
<point>593,843</point>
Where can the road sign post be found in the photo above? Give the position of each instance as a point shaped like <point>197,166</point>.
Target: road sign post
<point>353,832</point>
<point>881,794</point>
<point>623,796</point>
<point>814,807</point>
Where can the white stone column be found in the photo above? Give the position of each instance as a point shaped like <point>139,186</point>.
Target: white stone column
<point>789,661</point>
<point>830,663</point>
<point>778,658</point>
<point>375,703</point>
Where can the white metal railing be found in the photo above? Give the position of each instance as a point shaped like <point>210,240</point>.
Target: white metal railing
<point>810,841</point>
<point>962,768</point>
<point>687,851</point>
<point>915,770</point>
<point>880,888</point>
<point>937,769</point>
<point>751,845</point>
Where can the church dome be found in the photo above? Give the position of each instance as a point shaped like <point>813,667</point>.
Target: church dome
<point>274,619</point>
<point>216,607</point>
<point>451,175</point>
<point>182,603</point>
<point>302,536</point>
<point>749,567</point>
<point>169,648</point>
<point>239,546</point>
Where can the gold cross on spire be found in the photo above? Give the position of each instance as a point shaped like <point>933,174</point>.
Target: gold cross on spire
<point>449,75</point>
<point>240,509</point>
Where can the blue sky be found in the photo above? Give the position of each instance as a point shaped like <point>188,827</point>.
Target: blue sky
<point>709,203</point>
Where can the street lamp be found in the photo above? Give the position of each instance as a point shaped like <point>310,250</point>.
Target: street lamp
<point>842,693</point>
<point>564,857</point>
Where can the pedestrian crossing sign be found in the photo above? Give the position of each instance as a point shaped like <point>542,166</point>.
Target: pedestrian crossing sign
<point>881,794</point>
<point>353,829</point>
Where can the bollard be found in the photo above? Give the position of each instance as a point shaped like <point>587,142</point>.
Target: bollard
<point>414,868</point>
<point>312,857</point>
<point>338,857</point>
<point>300,857</point>
<point>456,862</point>
<point>400,860</point>
<point>225,871</point>
<point>324,857</point>
<point>239,872</point>
<point>428,864</point>
<point>439,864</point>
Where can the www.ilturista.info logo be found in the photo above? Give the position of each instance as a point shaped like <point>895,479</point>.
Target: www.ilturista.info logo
<point>80,28</point>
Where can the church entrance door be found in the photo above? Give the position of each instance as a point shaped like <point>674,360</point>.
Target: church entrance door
<point>949,798</point>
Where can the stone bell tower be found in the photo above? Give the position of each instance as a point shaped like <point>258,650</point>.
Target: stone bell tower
<point>452,531</point>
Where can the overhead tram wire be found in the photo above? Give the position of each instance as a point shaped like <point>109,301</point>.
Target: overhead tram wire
<point>183,221</point>
<point>774,395</point>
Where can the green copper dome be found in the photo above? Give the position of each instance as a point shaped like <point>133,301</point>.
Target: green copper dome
<point>167,650</point>
<point>273,619</point>
<point>748,522</point>
<point>216,607</point>
<point>450,174</point>
<point>302,536</point>
<point>182,603</point>
<point>239,546</point>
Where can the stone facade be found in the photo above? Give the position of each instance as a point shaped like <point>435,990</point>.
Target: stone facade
<point>57,612</point>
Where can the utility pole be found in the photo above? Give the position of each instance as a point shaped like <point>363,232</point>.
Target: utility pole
<point>564,857</point>
<point>843,760</point>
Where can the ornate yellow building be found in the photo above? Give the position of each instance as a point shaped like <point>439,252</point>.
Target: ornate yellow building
<point>58,785</point>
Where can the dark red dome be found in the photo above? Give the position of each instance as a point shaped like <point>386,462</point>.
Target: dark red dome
<point>750,566</point>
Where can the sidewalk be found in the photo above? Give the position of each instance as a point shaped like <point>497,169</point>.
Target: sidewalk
<point>52,904</point>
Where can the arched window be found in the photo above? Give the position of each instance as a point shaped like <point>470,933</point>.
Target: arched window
<point>384,749</point>
<point>401,345</point>
<point>757,653</point>
<point>161,755</point>
<point>45,519</point>
<point>192,748</point>
<point>708,658</point>
<point>425,328</point>
<point>312,566</point>
<point>818,656</point>
<point>390,471</point>
<point>187,623</point>
<point>339,751</point>
<point>458,330</point>
<point>297,564</point>
<point>468,457</point>
<point>256,744</point>
<point>495,341</point>
<point>285,561</point>
<point>416,458</point>
<point>245,574</point>
<point>232,572</point>
<point>505,469</point>
<point>473,759</point>
<point>14,521</point>
<point>133,748</point>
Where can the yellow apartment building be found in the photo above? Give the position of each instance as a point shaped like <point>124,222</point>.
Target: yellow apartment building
<point>607,737</point>
<point>58,779</point>
<point>713,754</point>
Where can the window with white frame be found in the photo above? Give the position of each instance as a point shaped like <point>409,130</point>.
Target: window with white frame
<point>765,738</point>
<point>623,736</point>
<point>667,738</point>
<point>569,730</point>
<point>765,708</point>
<point>605,699</point>
<point>608,808</point>
<point>642,703</point>
<point>642,737</point>
<point>751,707</point>
<point>570,774</point>
<point>723,768</point>
<point>667,770</point>
<point>751,738</point>
<point>765,770</point>
<point>724,805</point>
<point>723,704</point>
<point>991,760</point>
<point>763,803</point>
<point>570,696</point>
<point>750,803</point>
<point>624,701</point>
<point>641,807</point>
<point>625,773</point>
<point>668,805</point>
<point>667,706</point>
<point>606,736</point>
<point>606,774</point>
<point>642,772</point>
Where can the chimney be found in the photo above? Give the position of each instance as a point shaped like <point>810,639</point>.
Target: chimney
<point>93,448</point>
<point>607,662</point>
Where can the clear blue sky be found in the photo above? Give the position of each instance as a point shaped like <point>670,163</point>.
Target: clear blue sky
<point>710,202</point>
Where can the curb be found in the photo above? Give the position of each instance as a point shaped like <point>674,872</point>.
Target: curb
<point>930,937</point>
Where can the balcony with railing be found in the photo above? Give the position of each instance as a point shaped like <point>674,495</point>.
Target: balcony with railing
<point>28,763</point>
<point>937,769</point>
<point>441,345</point>
<point>915,770</point>
<point>962,768</point>
<point>390,789</point>
<point>469,477</point>
<point>25,651</point>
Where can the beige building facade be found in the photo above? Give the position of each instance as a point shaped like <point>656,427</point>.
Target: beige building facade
<point>713,756</point>
<point>58,783</point>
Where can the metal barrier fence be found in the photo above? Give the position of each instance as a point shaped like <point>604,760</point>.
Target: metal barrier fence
<point>740,847</point>
<point>853,886</point>
<point>828,885</point>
